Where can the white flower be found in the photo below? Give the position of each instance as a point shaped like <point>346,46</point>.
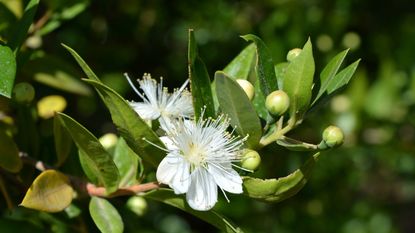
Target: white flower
<point>199,159</point>
<point>158,103</point>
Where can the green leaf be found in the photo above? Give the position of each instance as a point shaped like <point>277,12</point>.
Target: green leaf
<point>295,145</point>
<point>130,125</point>
<point>259,102</point>
<point>276,190</point>
<point>199,81</point>
<point>105,216</point>
<point>298,81</point>
<point>168,197</point>
<point>9,154</point>
<point>280,69</point>
<point>264,66</point>
<point>235,103</point>
<point>329,72</point>
<point>343,77</point>
<point>50,191</point>
<point>240,66</point>
<point>8,71</point>
<point>23,26</point>
<point>127,163</point>
<point>62,142</point>
<point>97,157</point>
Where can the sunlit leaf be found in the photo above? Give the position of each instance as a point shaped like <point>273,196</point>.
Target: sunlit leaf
<point>97,158</point>
<point>199,81</point>
<point>235,103</point>
<point>276,190</point>
<point>105,216</point>
<point>167,196</point>
<point>298,81</point>
<point>127,163</point>
<point>240,66</point>
<point>50,191</point>
<point>23,25</point>
<point>48,105</point>
<point>342,78</point>
<point>9,153</point>
<point>8,71</point>
<point>264,66</point>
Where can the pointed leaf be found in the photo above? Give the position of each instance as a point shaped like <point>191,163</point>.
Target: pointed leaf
<point>96,156</point>
<point>62,142</point>
<point>8,71</point>
<point>89,73</point>
<point>235,103</point>
<point>199,81</point>
<point>280,70</point>
<point>329,72</point>
<point>298,81</point>
<point>276,190</point>
<point>9,154</point>
<point>168,197</point>
<point>264,66</point>
<point>105,216</point>
<point>23,25</point>
<point>127,163</point>
<point>342,78</point>
<point>131,127</point>
<point>240,66</point>
<point>50,191</point>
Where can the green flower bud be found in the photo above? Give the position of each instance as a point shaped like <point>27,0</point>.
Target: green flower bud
<point>23,93</point>
<point>108,140</point>
<point>247,87</point>
<point>333,136</point>
<point>293,53</point>
<point>277,102</point>
<point>250,160</point>
<point>137,204</point>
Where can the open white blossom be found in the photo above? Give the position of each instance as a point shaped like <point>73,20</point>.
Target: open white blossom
<point>158,103</point>
<point>199,159</point>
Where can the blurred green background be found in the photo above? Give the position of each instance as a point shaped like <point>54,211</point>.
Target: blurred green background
<point>366,186</point>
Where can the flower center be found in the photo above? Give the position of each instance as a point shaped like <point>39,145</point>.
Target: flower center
<point>194,155</point>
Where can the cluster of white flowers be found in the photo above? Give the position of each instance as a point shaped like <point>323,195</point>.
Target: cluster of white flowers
<point>200,154</point>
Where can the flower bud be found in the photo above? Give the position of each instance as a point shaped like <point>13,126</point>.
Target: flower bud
<point>23,93</point>
<point>108,140</point>
<point>333,136</point>
<point>247,87</point>
<point>250,160</point>
<point>277,102</point>
<point>137,204</point>
<point>293,53</point>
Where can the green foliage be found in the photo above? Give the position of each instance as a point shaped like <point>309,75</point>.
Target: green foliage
<point>8,71</point>
<point>105,216</point>
<point>9,158</point>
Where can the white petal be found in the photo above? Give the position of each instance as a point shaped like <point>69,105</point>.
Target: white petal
<point>168,143</point>
<point>145,110</point>
<point>181,181</point>
<point>167,168</point>
<point>203,191</point>
<point>225,177</point>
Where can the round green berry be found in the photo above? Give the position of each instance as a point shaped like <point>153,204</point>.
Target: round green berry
<point>247,87</point>
<point>333,136</point>
<point>250,160</point>
<point>23,93</point>
<point>277,102</point>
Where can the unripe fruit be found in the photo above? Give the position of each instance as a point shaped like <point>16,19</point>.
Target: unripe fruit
<point>138,205</point>
<point>333,136</point>
<point>23,93</point>
<point>250,160</point>
<point>277,102</point>
<point>293,53</point>
<point>247,87</point>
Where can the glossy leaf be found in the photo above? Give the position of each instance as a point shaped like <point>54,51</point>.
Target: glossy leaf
<point>264,65</point>
<point>240,66</point>
<point>9,154</point>
<point>23,25</point>
<point>259,102</point>
<point>342,78</point>
<point>105,216</point>
<point>97,157</point>
<point>8,71</point>
<point>131,127</point>
<point>329,72</point>
<point>280,70</point>
<point>298,81</point>
<point>127,163</point>
<point>235,103</point>
<point>167,196</point>
<point>62,142</point>
<point>50,191</point>
<point>276,190</point>
<point>295,145</point>
<point>199,81</point>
